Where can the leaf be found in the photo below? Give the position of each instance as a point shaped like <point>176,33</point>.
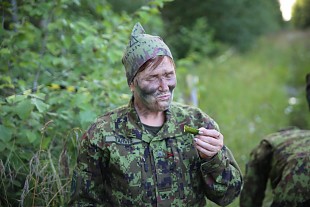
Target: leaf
<point>23,109</point>
<point>40,105</point>
<point>5,133</point>
<point>31,136</point>
<point>2,146</point>
<point>15,98</point>
<point>86,117</point>
<point>53,48</point>
<point>40,96</point>
<point>45,143</point>
<point>6,109</point>
<point>5,51</point>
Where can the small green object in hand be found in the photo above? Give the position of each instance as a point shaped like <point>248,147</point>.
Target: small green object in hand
<point>191,130</point>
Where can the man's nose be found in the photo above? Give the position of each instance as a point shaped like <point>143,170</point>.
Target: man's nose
<point>163,85</point>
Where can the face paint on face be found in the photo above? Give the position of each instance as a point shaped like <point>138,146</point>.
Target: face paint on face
<point>153,87</point>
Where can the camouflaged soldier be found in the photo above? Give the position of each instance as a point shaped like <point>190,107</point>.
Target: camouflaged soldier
<point>139,154</point>
<point>284,159</point>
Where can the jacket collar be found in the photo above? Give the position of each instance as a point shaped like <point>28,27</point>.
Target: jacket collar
<point>135,129</point>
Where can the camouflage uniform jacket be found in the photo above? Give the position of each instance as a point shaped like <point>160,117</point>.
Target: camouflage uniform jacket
<point>284,158</point>
<point>121,164</point>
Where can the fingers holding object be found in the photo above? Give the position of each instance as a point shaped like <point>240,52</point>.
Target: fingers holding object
<point>209,144</point>
<point>206,150</point>
<point>210,132</point>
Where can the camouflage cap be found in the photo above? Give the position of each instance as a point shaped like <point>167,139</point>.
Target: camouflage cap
<point>140,49</point>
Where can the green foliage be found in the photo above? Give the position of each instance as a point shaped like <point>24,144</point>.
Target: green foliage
<point>235,23</point>
<point>300,14</point>
<point>77,45</point>
<point>128,6</point>
<point>197,38</point>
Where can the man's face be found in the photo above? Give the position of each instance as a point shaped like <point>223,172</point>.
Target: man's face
<point>153,87</point>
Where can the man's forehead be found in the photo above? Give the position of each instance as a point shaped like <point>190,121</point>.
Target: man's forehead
<point>161,68</point>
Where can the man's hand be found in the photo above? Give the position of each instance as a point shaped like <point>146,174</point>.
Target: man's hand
<point>208,142</point>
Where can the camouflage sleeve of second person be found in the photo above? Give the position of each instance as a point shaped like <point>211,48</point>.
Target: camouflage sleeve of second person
<point>221,174</point>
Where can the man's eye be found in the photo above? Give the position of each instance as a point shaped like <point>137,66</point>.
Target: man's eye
<point>169,75</point>
<point>151,78</point>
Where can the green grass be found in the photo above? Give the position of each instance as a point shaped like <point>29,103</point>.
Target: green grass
<point>247,94</point>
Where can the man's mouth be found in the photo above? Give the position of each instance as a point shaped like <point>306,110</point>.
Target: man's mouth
<point>164,97</point>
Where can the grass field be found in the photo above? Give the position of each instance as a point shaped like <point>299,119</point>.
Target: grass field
<point>251,95</point>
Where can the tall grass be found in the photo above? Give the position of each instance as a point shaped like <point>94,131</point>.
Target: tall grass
<point>48,180</point>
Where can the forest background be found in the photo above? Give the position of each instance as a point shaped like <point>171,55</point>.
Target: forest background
<point>61,67</point>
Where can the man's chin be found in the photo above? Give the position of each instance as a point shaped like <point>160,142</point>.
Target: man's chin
<point>163,106</point>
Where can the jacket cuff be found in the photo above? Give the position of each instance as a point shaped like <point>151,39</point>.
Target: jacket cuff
<point>216,163</point>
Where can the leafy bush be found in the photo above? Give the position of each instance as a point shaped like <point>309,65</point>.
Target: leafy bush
<point>60,69</point>
<point>236,23</point>
<point>300,14</point>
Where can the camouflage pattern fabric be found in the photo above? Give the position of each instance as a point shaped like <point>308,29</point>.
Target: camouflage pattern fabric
<point>284,158</point>
<point>141,48</point>
<point>121,164</point>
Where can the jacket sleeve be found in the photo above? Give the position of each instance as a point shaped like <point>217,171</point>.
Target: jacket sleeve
<point>88,180</point>
<point>256,176</point>
<point>222,177</point>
